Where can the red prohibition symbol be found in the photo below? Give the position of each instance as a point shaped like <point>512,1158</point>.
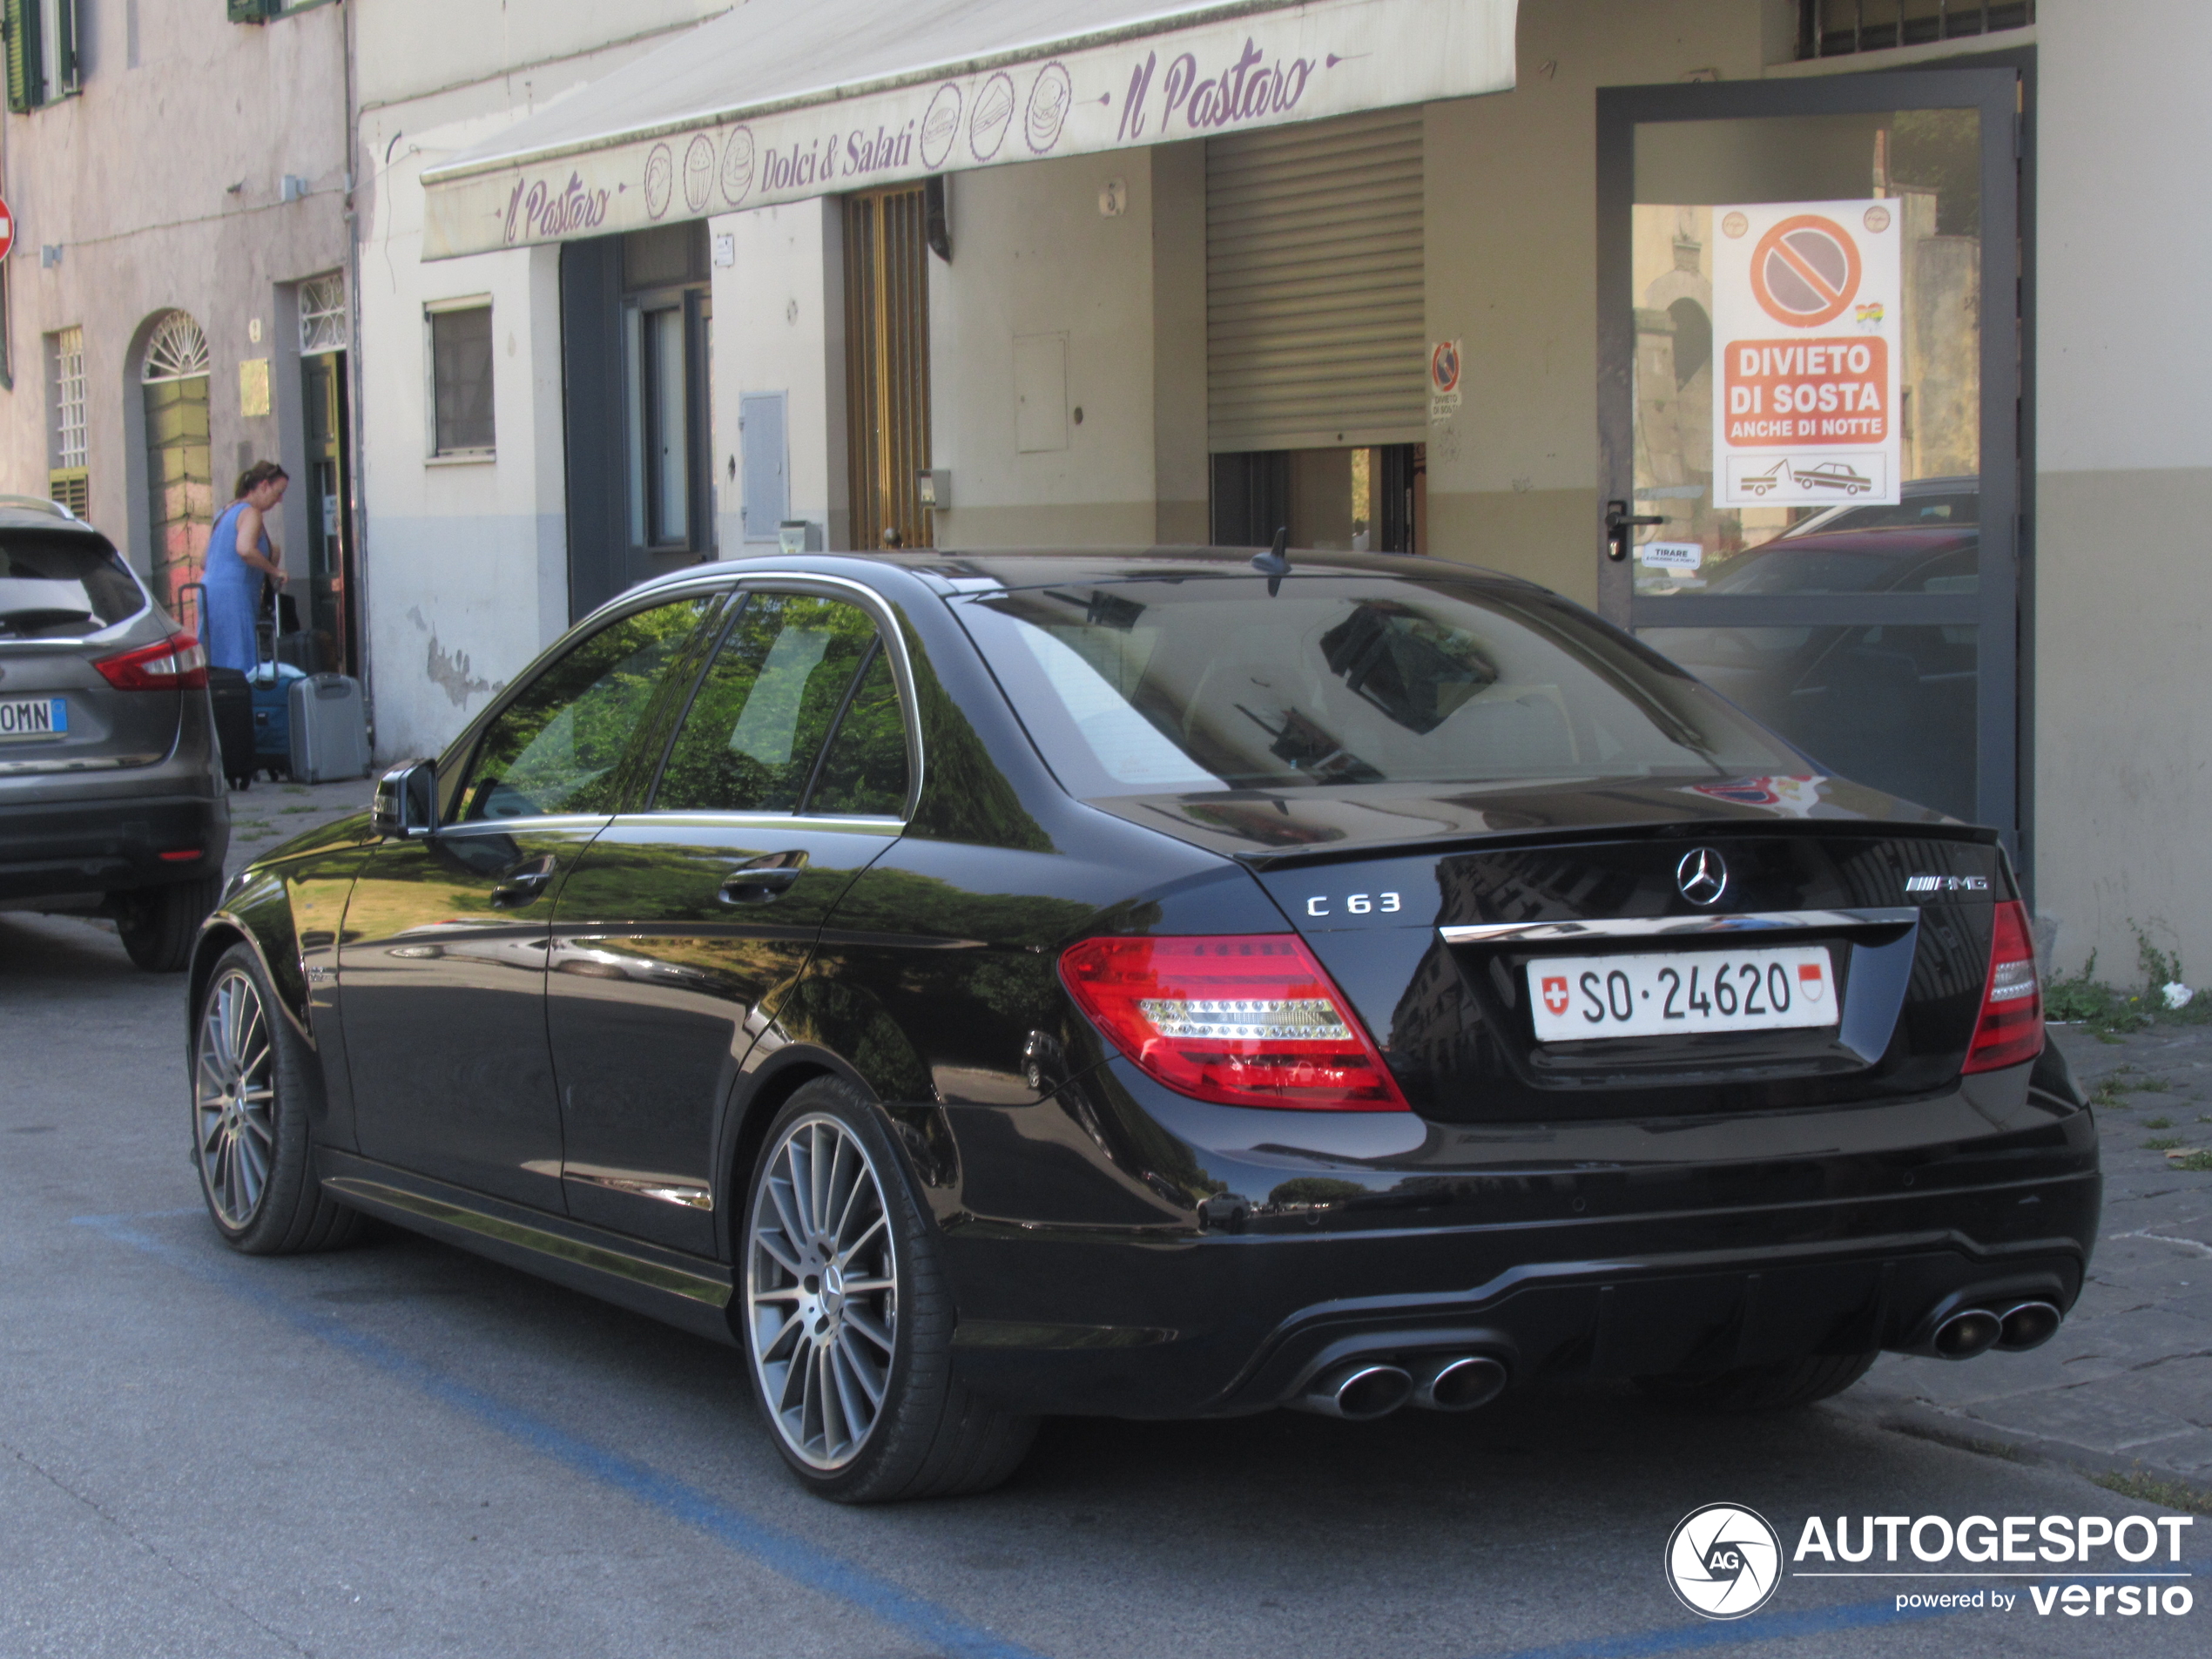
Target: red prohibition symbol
<point>1804,271</point>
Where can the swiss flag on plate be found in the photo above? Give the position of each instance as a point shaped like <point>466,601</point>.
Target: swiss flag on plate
<point>1555,993</point>
<point>1813,982</point>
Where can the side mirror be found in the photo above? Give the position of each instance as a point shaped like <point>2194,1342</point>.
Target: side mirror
<point>407,801</point>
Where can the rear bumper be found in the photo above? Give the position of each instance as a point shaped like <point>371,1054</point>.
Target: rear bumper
<point>110,841</point>
<point>1841,1231</point>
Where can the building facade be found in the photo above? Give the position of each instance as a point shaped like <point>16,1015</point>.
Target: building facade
<point>1514,322</point>
<point>177,296</point>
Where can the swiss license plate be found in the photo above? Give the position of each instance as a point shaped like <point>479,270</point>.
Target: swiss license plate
<point>36,717</point>
<point>1662,993</point>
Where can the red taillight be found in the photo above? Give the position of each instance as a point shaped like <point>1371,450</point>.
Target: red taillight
<point>177,663</point>
<point>1244,1019</point>
<point>2011,1028</point>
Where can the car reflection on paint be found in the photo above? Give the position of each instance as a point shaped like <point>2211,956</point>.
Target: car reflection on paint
<point>1893,702</point>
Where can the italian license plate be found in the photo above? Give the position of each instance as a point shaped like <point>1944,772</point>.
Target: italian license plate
<point>1653,994</point>
<point>36,717</point>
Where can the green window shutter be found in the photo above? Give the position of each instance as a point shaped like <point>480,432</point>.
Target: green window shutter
<point>65,56</point>
<point>254,11</point>
<point>26,77</point>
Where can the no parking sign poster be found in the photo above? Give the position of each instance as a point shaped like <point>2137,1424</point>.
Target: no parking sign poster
<point>1808,316</point>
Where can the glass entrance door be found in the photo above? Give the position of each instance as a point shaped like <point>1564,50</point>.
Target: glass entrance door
<point>330,596</point>
<point>1811,359</point>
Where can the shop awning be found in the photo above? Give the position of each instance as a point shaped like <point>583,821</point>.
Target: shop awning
<point>778,100</point>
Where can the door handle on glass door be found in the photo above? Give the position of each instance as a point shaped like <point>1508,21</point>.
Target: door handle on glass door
<point>1619,521</point>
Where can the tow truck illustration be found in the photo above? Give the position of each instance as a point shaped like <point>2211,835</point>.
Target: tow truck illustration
<point>1826,474</point>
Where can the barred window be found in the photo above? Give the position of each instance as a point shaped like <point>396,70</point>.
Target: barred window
<point>322,314</point>
<point>1834,28</point>
<point>460,379</point>
<point>65,371</point>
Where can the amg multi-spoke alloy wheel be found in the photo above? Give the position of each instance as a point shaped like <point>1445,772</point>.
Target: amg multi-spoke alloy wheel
<point>252,1078</point>
<point>822,1287</point>
<point>234,1099</point>
<point>848,1321</point>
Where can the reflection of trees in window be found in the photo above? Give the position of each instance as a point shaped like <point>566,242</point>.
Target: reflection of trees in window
<point>760,717</point>
<point>865,770</point>
<point>555,747</point>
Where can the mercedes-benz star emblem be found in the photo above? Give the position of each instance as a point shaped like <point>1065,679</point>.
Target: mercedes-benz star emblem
<point>1701,876</point>
<point>1723,1561</point>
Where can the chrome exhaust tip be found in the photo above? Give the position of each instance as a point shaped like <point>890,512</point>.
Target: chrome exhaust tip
<point>1358,1393</point>
<point>2027,1325</point>
<point>1966,1333</point>
<point>1457,1382</point>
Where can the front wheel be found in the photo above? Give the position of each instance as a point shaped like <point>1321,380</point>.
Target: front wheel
<point>849,1321</point>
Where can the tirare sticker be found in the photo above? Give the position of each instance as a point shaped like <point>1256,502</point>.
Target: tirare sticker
<point>1672,555</point>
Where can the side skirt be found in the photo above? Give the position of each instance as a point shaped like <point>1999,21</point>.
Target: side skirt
<point>689,1291</point>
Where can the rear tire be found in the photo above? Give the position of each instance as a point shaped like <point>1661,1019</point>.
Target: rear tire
<point>255,1087</point>
<point>848,1319</point>
<point>158,925</point>
<point>1782,1386</point>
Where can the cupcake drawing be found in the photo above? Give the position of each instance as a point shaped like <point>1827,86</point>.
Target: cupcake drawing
<point>698,172</point>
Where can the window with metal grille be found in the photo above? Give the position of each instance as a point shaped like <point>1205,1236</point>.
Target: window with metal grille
<point>1833,28</point>
<point>460,420</point>
<point>887,357</point>
<point>322,314</point>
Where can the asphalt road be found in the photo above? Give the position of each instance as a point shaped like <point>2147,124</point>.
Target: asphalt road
<point>403,1450</point>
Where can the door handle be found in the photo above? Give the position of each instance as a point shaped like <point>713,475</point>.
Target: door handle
<point>764,879</point>
<point>525,885</point>
<point>1619,521</point>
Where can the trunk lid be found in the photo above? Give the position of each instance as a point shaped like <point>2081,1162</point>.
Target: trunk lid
<point>1430,910</point>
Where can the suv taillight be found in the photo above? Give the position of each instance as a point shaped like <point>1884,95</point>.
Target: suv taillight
<point>177,663</point>
<point>2011,1028</point>
<point>1242,1018</point>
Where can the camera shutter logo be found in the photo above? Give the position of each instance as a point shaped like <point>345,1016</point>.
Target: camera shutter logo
<point>1723,1561</point>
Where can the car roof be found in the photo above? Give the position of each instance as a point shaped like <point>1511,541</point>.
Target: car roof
<point>951,572</point>
<point>34,513</point>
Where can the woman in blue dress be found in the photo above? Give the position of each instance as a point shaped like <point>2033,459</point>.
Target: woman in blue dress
<point>239,560</point>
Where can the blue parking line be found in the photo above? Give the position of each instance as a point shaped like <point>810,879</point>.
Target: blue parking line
<point>780,1552</point>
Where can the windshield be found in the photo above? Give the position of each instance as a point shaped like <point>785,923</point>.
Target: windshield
<point>1208,683</point>
<point>58,587</point>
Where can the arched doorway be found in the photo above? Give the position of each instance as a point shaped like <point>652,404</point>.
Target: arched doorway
<point>179,471</point>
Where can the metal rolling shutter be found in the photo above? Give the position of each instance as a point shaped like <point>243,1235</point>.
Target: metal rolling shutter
<point>1315,327</point>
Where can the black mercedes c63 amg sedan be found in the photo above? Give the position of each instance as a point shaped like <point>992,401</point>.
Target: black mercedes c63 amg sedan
<point>978,987</point>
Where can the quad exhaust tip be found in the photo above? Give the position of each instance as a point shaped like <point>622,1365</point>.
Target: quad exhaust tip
<point>1359,1391</point>
<point>1967,1332</point>
<point>2027,1325</point>
<point>1458,1382</point>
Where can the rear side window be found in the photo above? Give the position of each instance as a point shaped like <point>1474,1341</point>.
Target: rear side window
<point>58,587</point>
<point>1155,686</point>
<point>757,727</point>
<point>864,772</point>
<point>558,746</point>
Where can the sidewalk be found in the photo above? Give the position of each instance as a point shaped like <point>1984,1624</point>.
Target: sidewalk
<point>2125,1387</point>
<point>269,814</point>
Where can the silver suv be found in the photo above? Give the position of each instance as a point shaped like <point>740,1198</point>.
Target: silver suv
<point>112,793</point>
